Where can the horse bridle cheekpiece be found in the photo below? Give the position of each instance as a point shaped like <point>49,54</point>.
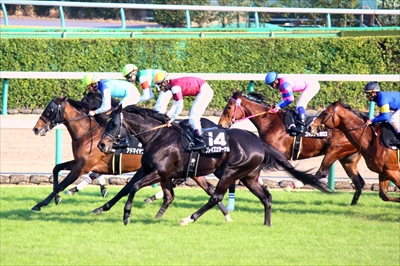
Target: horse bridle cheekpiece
<point>122,131</point>
<point>54,113</point>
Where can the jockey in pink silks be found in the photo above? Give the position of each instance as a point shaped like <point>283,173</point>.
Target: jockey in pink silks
<point>180,88</point>
<point>287,86</point>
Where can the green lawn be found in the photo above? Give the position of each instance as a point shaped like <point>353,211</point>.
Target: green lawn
<point>308,228</point>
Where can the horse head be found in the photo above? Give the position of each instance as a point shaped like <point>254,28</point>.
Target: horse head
<point>241,106</point>
<point>115,130</point>
<point>51,116</point>
<point>326,119</point>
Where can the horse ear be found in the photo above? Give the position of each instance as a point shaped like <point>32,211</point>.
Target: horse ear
<point>63,98</point>
<point>340,101</point>
<point>119,108</point>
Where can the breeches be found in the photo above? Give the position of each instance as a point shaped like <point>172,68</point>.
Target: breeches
<point>162,101</point>
<point>306,96</point>
<point>395,120</point>
<point>200,104</point>
<point>132,97</point>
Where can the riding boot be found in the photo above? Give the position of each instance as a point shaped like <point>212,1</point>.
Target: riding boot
<point>301,121</point>
<point>198,140</point>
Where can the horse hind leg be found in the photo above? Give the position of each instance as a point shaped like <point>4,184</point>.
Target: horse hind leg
<point>384,184</point>
<point>263,194</point>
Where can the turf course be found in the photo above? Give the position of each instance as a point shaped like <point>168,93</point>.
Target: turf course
<point>308,228</point>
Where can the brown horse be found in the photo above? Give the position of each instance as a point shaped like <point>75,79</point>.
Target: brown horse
<point>272,130</point>
<point>367,140</point>
<point>86,132</point>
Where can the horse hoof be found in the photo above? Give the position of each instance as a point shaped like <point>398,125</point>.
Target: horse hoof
<point>97,211</point>
<point>186,221</point>
<point>148,201</point>
<point>57,200</point>
<point>127,221</point>
<point>104,193</point>
<point>228,218</point>
<point>183,223</point>
<point>35,208</point>
<point>69,193</point>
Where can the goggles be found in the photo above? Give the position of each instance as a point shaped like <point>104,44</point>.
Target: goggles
<point>130,75</point>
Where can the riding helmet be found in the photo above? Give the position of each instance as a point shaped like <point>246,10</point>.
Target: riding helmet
<point>270,77</point>
<point>160,77</point>
<point>371,86</point>
<point>129,68</point>
<point>89,79</point>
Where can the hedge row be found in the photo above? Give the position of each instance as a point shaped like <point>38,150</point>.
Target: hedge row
<point>356,55</point>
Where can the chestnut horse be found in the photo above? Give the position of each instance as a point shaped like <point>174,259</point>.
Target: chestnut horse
<point>367,140</point>
<point>86,132</point>
<point>164,158</point>
<point>272,130</point>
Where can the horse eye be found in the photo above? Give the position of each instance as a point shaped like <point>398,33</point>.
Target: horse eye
<point>49,111</point>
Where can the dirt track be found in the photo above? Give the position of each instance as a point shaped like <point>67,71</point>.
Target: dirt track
<point>23,152</point>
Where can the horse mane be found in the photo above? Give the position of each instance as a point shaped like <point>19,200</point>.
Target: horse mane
<point>145,113</point>
<point>85,107</point>
<point>257,97</point>
<point>362,115</point>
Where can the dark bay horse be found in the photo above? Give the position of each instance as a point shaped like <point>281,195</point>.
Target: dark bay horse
<point>164,158</point>
<point>272,131</point>
<point>86,132</point>
<point>367,140</point>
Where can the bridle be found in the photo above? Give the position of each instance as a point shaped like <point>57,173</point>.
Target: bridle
<point>238,103</point>
<point>56,117</point>
<point>333,114</point>
<point>123,131</point>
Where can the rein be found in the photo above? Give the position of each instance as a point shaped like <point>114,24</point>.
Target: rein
<point>238,105</point>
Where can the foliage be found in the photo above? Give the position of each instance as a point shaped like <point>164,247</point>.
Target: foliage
<point>308,228</point>
<point>356,55</point>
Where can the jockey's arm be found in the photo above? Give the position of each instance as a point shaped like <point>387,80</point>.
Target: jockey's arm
<point>384,114</point>
<point>106,101</point>
<point>287,95</point>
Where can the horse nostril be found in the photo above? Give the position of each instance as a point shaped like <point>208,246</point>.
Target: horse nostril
<point>36,131</point>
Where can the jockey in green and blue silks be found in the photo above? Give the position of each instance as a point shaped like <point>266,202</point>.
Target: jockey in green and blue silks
<point>386,101</point>
<point>146,79</point>
<point>287,86</point>
<point>124,90</point>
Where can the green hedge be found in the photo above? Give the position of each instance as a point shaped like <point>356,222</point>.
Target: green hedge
<point>356,55</point>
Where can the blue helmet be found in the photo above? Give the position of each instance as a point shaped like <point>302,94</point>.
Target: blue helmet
<point>270,77</point>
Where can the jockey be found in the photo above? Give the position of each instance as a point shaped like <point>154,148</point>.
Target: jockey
<point>287,86</point>
<point>386,101</point>
<point>146,79</point>
<point>187,86</point>
<point>124,90</point>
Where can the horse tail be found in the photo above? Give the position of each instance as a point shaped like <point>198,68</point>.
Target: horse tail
<point>274,160</point>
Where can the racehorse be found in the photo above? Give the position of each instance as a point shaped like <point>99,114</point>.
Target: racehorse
<point>367,140</point>
<point>272,130</point>
<point>86,132</point>
<point>165,158</point>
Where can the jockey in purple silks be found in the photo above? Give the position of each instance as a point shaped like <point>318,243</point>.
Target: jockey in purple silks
<point>287,86</point>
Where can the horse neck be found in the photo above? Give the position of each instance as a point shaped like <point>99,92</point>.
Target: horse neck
<point>261,121</point>
<point>77,123</point>
<point>141,127</point>
<point>352,127</point>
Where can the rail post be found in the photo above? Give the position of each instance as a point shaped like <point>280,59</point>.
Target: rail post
<point>59,145</point>
<point>123,21</point>
<point>60,8</point>
<point>3,7</point>
<point>187,19</point>
<point>5,97</point>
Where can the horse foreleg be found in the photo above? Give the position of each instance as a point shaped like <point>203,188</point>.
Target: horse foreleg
<point>56,170</point>
<point>215,198</point>
<point>209,189</point>
<point>176,182</point>
<point>69,179</point>
<point>141,180</point>
<point>350,166</point>
<point>169,196</point>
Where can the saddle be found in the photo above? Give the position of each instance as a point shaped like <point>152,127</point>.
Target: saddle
<point>216,140</point>
<point>128,145</point>
<point>291,122</point>
<point>388,138</point>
